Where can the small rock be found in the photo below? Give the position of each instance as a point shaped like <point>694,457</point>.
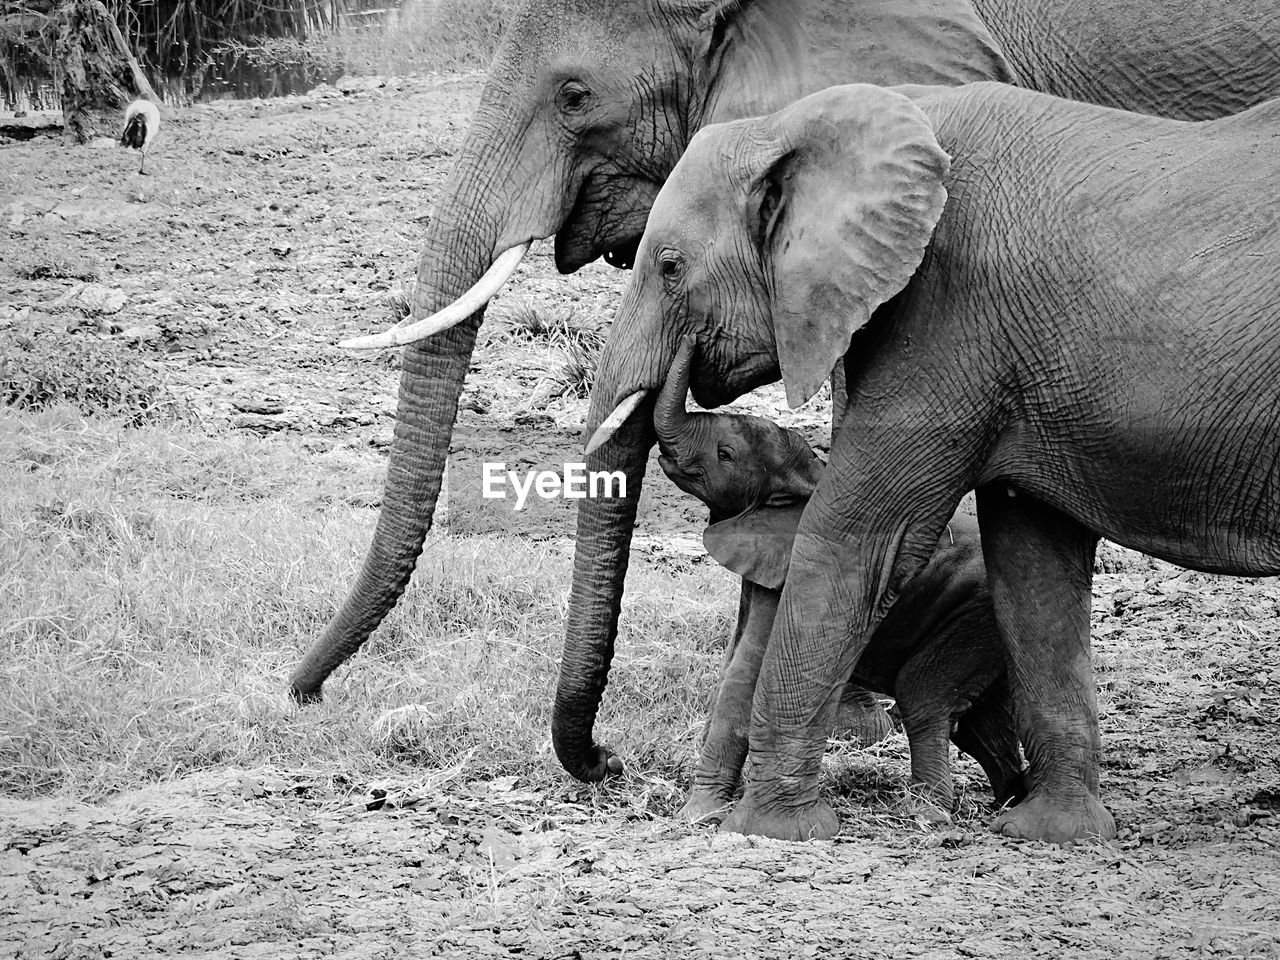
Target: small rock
<point>1246,816</point>
<point>263,405</point>
<point>96,298</point>
<point>141,332</point>
<point>349,85</point>
<point>258,422</point>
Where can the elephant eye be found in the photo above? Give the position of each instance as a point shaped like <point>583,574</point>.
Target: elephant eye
<point>725,454</point>
<point>573,97</point>
<point>672,267</point>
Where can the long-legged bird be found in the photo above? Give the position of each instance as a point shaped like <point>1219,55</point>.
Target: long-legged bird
<point>141,125</point>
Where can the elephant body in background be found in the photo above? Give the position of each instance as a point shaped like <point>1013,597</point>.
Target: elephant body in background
<point>936,652</point>
<point>587,108</point>
<point>1072,310</point>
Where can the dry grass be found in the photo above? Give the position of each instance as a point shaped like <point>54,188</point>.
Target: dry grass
<point>450,35</point>
<point>159,583</point>
<point>574,342</point>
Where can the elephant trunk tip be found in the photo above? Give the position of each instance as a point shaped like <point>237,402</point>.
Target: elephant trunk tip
<point>304,693</point>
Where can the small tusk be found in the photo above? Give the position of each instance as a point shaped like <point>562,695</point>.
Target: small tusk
<point>613,421</point>
<point>482,292</point>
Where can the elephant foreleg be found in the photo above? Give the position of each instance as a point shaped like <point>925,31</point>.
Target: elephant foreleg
<point>1040,569</point>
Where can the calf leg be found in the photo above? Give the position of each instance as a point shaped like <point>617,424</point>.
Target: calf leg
<point>928,688</point>
<point>724,744</point>
<point>928,735</point>
<point>988,733</point>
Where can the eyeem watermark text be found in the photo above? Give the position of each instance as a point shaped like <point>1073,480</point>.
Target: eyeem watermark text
<point>575,482</point>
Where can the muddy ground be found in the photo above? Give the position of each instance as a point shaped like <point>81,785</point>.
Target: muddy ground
<point>266,232</point>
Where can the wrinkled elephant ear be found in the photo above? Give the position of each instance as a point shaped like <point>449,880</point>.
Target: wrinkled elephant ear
<point>756,545</point>
<point>849,195</point>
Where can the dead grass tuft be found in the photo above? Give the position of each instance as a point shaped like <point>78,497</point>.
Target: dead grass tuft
<point>48,264</point>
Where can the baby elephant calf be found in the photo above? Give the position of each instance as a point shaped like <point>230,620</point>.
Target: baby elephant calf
<point>936,652</point>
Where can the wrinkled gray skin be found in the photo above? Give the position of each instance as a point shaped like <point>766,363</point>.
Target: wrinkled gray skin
<point>1070,309</point>
<point>588,106</point>
<point>936,652</point>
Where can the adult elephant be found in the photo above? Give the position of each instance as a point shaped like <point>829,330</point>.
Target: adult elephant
<point>1071,309</point>
<point>587,108</point>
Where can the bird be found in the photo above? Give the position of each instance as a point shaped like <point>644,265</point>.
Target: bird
<point>141,126</point>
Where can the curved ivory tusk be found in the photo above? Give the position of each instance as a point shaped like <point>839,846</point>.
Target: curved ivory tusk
<point>613,421</point>
<point>482,292</point>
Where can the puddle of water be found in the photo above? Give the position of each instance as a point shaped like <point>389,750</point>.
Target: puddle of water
<point>27,85</point>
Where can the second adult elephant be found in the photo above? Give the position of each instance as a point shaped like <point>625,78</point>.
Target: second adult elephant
<point>937,652</point>
<point>1071,309</point>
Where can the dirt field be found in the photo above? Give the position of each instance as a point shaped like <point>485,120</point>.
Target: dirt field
<point>267,232</point>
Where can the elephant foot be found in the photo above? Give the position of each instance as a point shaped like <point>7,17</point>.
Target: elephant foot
<point>1039,817</point>
<point>924,809</point>
<point>814,821</point>
<point>705,806</point>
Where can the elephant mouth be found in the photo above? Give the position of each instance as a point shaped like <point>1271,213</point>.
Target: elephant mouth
<point>607,219</point>
<point>686,480</point>
<point>623,257</point>
<point>753,372</point>
<point>576,245</point>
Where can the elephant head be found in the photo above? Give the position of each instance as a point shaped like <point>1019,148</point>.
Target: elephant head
<point>734,463</point>
<point>774,241</point>
<point>754,475</point>
<point>586,110</point>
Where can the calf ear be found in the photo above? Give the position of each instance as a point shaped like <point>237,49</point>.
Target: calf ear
<point>756,545</point>
<point>846,198</point>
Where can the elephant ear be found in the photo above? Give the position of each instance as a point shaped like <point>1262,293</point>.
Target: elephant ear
<point>756,545</point>
<point>849,192</point>
<point>747,55</point>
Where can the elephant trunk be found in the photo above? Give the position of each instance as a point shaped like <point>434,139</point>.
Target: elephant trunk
<point>600,561</point>
<point>473,223</point>
<point>603,546</point>
<point>670,418</point>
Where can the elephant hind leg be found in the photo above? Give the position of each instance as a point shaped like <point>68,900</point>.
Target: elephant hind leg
<point>1040,571</point>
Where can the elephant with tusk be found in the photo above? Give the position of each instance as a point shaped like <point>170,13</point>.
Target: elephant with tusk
<point>588,106</point>
<point>1071,309</point>
<point>936,652</point>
